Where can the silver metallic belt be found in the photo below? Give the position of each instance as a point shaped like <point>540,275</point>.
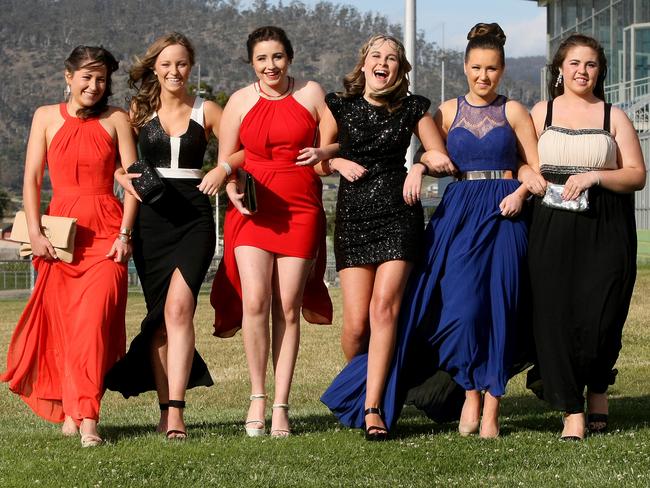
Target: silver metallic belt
<point>483,175</point>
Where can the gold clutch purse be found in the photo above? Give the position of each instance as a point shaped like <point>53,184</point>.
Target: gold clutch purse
<point>60,231</point>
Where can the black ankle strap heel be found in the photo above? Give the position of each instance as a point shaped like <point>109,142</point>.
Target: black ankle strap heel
<point>375,432</point>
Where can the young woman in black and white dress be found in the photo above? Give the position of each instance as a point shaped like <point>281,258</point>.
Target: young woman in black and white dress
<point>174,237</point>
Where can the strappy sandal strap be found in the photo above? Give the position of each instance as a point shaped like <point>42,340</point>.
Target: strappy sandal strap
<point>257,396</point>
<point>375,410</point>
<point>177,403</point>
<point>176,434</point>
<point>376,428</point>
<point>283,406</point>
<point>163,407</point>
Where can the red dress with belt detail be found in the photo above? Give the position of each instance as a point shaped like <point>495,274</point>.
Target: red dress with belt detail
<point>290,220</point>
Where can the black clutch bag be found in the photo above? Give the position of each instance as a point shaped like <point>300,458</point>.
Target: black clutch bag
<point>247,185</point>
<point>148,185</point>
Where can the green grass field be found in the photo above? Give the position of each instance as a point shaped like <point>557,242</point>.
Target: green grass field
<point>321,452</point>
<point>643,250</point>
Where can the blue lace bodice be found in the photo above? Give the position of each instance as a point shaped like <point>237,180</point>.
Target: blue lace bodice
<point>480,138</point>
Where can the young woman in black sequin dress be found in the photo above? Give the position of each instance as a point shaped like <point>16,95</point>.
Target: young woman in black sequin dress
<point>379,218</point>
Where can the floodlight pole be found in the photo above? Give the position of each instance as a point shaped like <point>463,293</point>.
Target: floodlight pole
<point>409,45</point>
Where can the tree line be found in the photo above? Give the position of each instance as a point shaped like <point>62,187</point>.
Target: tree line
<point>37,35</point>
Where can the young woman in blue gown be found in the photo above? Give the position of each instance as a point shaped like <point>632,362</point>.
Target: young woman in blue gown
<point>460,307</point>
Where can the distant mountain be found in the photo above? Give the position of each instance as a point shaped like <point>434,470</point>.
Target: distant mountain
<point>37,35</point>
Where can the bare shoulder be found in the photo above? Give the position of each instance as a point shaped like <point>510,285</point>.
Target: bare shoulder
<point>117,114</point>
<point>240,103</point>
<point>618,116</point>
<point>243,94</point>
<point>46,113</point>
<point>516,108</point>
<point>517,113</point>
<point>447,109</point>
<point>211,108</point>
<point>309,88</point>
<point>538,114</point>
<point>539,109</point>
<point>620,123</point>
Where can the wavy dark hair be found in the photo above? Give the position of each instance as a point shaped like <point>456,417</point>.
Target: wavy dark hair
<point>143,80</point>
<point>354,83</point>
<point>268,33</point>
<point>92,57</point>
<point>486,36</point>
<point>577,40</point>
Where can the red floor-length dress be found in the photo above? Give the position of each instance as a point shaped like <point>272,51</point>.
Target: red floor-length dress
<point>72,329</point>
<point>290,220</point>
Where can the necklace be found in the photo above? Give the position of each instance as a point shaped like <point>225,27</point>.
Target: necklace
<point>258,86</point>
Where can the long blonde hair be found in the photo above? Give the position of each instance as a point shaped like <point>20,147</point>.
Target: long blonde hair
<point>142,78</point>
<point>354,82</point>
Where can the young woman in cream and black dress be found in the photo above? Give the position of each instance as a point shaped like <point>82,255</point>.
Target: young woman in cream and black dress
<point>583,265</point>
<point>174,237</point>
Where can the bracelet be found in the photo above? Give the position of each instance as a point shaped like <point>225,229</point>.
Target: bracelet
<point>226,167</point>
<point>124,238</point>
<point>126,231</point>
<point>426,168</point>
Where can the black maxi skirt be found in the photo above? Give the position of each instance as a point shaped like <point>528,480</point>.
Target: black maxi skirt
<point>175,232</point>
<point>583,269</point>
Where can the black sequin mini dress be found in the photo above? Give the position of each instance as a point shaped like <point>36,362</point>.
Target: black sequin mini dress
<point>373,223</point>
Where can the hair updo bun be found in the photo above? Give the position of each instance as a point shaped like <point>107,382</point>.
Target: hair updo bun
<point>486,36</point>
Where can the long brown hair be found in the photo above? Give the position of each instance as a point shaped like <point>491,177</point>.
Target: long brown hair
<point>577,40</point>
<point>142,78</point>
<point>89,57</point>
<point>354,82</point>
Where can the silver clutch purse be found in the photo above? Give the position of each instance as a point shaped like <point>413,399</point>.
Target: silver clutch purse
<point>553,199</point>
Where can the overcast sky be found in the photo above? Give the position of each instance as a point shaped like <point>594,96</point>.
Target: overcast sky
<point>522,20</point>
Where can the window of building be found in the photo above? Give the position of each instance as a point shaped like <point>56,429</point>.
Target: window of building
<point>569,14</point>
<point>585,9</point>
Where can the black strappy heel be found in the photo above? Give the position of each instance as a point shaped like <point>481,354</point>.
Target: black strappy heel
<point>175,434</point>
<point>375,432</point>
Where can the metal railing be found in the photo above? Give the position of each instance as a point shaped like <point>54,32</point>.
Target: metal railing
<point>626,93</point>
<point>16,274</point>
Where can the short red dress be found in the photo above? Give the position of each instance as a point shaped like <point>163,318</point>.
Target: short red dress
<point>72,329</point>
<point>290,220</point>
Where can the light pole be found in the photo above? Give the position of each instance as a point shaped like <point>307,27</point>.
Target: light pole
<point>442,67</point>
<point>409,46</point>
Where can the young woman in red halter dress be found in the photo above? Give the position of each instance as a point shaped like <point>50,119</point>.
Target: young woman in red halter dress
<point>273,259</point>
<point>72,329</point>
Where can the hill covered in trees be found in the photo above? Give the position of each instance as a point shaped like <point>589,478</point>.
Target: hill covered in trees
<point>37,35</point>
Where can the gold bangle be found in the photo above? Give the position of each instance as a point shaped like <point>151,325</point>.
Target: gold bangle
<point>126,231</point>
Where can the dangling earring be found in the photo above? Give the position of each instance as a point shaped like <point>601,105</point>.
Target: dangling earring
<point>558,82</point>
<point>66,92</point>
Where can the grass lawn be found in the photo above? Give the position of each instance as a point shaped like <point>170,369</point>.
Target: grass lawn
<point>322,453</point>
